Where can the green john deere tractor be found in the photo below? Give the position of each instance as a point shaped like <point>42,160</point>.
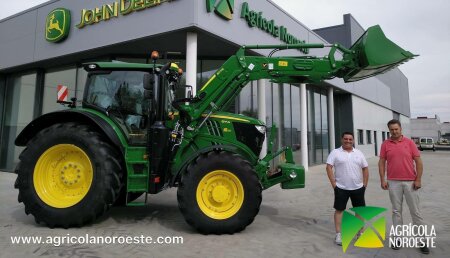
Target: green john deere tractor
<point>131,136</point>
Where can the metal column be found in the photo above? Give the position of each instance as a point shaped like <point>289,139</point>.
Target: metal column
<point>191,61</point>
<point>262,111</point>
<point>331,129</point>
<point>304,126</point>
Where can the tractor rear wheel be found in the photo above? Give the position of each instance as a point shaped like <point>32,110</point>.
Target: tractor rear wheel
<point>68,175</point>
<point>219,193</point>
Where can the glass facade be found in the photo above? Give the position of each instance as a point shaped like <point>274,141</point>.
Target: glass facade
<point>22,101</point>
<point>282,107</point>
<point>53,78</point>
<point>318,145</point>
<point>18,112</point>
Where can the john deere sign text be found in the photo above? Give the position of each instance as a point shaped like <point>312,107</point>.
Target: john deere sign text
<point>108,11</point>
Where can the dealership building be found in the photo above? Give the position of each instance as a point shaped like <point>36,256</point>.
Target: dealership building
<point>45,46</point>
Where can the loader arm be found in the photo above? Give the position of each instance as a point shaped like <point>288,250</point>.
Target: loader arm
<point>372,54</point>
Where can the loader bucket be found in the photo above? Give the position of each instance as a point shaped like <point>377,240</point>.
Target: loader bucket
<point>374,54</point>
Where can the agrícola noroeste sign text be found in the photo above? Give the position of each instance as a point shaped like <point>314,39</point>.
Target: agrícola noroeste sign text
<point>121,7</point>
<point>225,9</point>
<point>256,19</point>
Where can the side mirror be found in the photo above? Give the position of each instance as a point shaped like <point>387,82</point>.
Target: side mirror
<point>149,81</point>
<point>148,94</point>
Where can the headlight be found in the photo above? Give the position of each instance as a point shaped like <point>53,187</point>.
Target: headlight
<point>261,128</point>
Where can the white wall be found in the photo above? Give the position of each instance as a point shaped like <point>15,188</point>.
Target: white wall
<point>429,127</point>
<point>369,116</point>
<point>406,126</point>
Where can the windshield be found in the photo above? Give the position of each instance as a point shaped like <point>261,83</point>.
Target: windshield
<point>116,90</point>
<point>121,94</point>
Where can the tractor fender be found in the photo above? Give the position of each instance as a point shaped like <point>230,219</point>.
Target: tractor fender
<point>176,174</point>
<point>72,115</point>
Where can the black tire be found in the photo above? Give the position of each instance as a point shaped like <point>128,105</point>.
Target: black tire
<point>104,188</point>
<point>199,169</point>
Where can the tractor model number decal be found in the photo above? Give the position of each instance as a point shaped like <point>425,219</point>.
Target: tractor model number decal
<point>282,63</point>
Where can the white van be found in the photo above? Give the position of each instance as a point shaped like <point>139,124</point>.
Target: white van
<point>426,143</point>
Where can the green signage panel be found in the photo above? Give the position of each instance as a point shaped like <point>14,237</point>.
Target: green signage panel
<point>57,25</point>
<point>224,8</point>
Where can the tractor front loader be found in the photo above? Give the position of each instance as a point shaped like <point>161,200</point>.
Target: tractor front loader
<point>132,136</point>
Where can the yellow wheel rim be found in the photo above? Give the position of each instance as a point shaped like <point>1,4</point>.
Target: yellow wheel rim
<point>63,175</point>
<point>220,194</point>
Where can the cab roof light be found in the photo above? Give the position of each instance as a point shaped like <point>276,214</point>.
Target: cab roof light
<point>155,55</point>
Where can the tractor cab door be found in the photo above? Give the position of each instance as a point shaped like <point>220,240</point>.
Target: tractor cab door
<point>121,95</point>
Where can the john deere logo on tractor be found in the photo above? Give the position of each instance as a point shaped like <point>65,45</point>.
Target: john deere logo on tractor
<point>225,8</point>
<point>57,25</point>
<point>368,223</point>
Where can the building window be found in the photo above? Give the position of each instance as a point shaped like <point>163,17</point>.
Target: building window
<point>19,110</point>
<point>318,147</point>
<point>369,136</point>
<point>296,125</point>
<point>388,135</point>
<point>246,100</point>
<point>360,137</point>
<point>66,77</point>
<point>206,69</point>
<point>383,136</point>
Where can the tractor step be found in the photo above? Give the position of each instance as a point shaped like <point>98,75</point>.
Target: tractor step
<point>130,189</point>
<point>136,204</point>
<point>138,176</point>
<point>137,183</point>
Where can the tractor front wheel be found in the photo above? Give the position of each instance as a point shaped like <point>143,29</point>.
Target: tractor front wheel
<point>68,175</point>
<point>219,193</point>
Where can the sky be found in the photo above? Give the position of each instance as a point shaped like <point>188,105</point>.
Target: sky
<point>421,27</point>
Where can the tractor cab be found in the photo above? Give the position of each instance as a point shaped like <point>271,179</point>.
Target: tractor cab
<point>133,95</point>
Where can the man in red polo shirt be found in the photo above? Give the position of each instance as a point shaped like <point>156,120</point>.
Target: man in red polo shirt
<point>400,154</point>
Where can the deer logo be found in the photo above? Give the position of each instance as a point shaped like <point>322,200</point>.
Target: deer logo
<point>54,25</point>
<point>57,25</point>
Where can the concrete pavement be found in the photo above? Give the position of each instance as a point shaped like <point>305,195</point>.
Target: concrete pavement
<point>291,223</point>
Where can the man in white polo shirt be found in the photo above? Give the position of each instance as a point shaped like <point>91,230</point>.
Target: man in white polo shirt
<point>349,180</point>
